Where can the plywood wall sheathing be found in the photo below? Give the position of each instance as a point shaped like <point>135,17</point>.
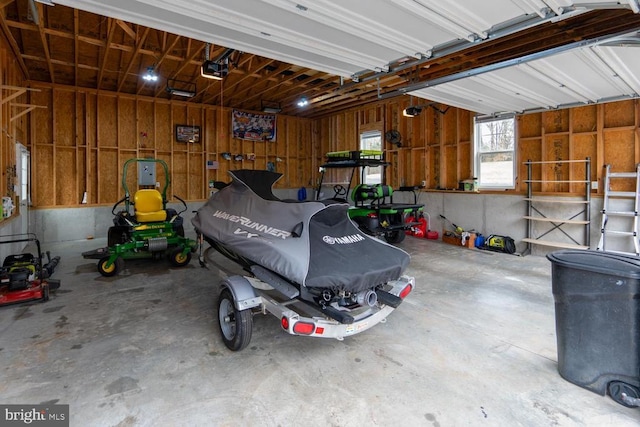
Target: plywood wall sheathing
<point>619,114</point>
<point>85,137</point>
<point>617,146</point>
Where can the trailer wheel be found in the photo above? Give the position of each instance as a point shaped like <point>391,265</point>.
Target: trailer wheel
<point>395,236</point>
<point>617,388</point>
<point>179,259</point>
<point>235,325</point>
<point>113,269</point>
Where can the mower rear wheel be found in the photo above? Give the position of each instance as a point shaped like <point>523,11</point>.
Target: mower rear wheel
<point>111,270</point>
<point>179,259</point>
<point>235,325</point>
<point>395,236</point>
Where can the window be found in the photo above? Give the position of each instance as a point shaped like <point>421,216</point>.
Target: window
<point>372,141</point>
<point>495,152</point>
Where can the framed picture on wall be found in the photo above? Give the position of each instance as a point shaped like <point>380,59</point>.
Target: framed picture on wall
<point>185,133</point>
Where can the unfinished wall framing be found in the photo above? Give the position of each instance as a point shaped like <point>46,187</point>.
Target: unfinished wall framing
<point>437,145</point>
<point>606,133</point>
<point>15,109</point>
<point>81,141</point>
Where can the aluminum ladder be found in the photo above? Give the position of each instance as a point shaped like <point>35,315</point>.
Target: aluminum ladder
<point>608,213</point>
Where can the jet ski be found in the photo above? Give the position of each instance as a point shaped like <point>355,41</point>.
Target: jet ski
<point>308,252</point>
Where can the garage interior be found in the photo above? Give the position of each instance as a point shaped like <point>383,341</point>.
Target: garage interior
<point>474,343</point>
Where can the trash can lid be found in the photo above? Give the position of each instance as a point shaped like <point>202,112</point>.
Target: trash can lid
<point>598,262</point>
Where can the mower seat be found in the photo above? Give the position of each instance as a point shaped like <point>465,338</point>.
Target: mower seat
<point>370,193</point>
<point>149,206</point>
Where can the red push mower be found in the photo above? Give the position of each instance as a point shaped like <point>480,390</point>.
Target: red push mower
<point>24,277</point>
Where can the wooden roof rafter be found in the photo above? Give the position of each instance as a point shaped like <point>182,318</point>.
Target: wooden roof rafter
<point>185,63</point>
<point>249,74</point>
<point>76,59</point>
<point>134,57</point>
<point>13,43</point>
<point>105,53</point>
<point>45,42</point>
<point>161,59</point>
<point>273,87</point>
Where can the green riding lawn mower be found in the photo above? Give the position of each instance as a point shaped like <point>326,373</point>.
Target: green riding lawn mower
<point>373,209</point>
<point>145,228</point>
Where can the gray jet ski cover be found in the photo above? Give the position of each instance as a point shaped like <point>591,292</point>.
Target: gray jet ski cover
<point>313,244</point>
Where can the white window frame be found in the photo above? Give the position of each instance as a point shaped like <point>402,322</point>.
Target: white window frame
<point>480,125</point>
<point>374,174</point>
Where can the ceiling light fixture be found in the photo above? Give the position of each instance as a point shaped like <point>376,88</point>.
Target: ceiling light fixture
<point>150,75</point>
<point>303,102</point>
<point>270,107</point>
<point>180,92</point>
<point>181,88</point>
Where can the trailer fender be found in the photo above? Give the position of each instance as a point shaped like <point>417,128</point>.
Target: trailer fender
<point>244,296</point>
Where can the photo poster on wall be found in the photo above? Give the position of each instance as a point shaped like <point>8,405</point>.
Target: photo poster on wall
<point>185,133</point>
<point>254,127</point>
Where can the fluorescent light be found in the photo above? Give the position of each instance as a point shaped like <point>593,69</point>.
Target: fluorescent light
<point>271,107</point>
<point>180,92</point>
<point>181,88</point>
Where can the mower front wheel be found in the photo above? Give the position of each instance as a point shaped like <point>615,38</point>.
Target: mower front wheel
<point>113,269</point>
<point>178,258</point>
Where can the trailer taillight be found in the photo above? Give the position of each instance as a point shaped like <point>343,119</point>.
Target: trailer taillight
<point>407,289</point>
<point>285,323</point>
<point>304,328</point>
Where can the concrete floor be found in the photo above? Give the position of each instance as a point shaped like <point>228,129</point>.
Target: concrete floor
<point>474,344</point>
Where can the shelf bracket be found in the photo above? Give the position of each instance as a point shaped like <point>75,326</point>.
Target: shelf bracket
<point>28,108</point>
<point>18,92</point>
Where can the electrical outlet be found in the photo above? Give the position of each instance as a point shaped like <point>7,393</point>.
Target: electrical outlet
<point>594,185</point>
<point>423,183</point>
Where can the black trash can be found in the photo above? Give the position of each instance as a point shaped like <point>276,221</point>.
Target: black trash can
<point>597,306</point>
